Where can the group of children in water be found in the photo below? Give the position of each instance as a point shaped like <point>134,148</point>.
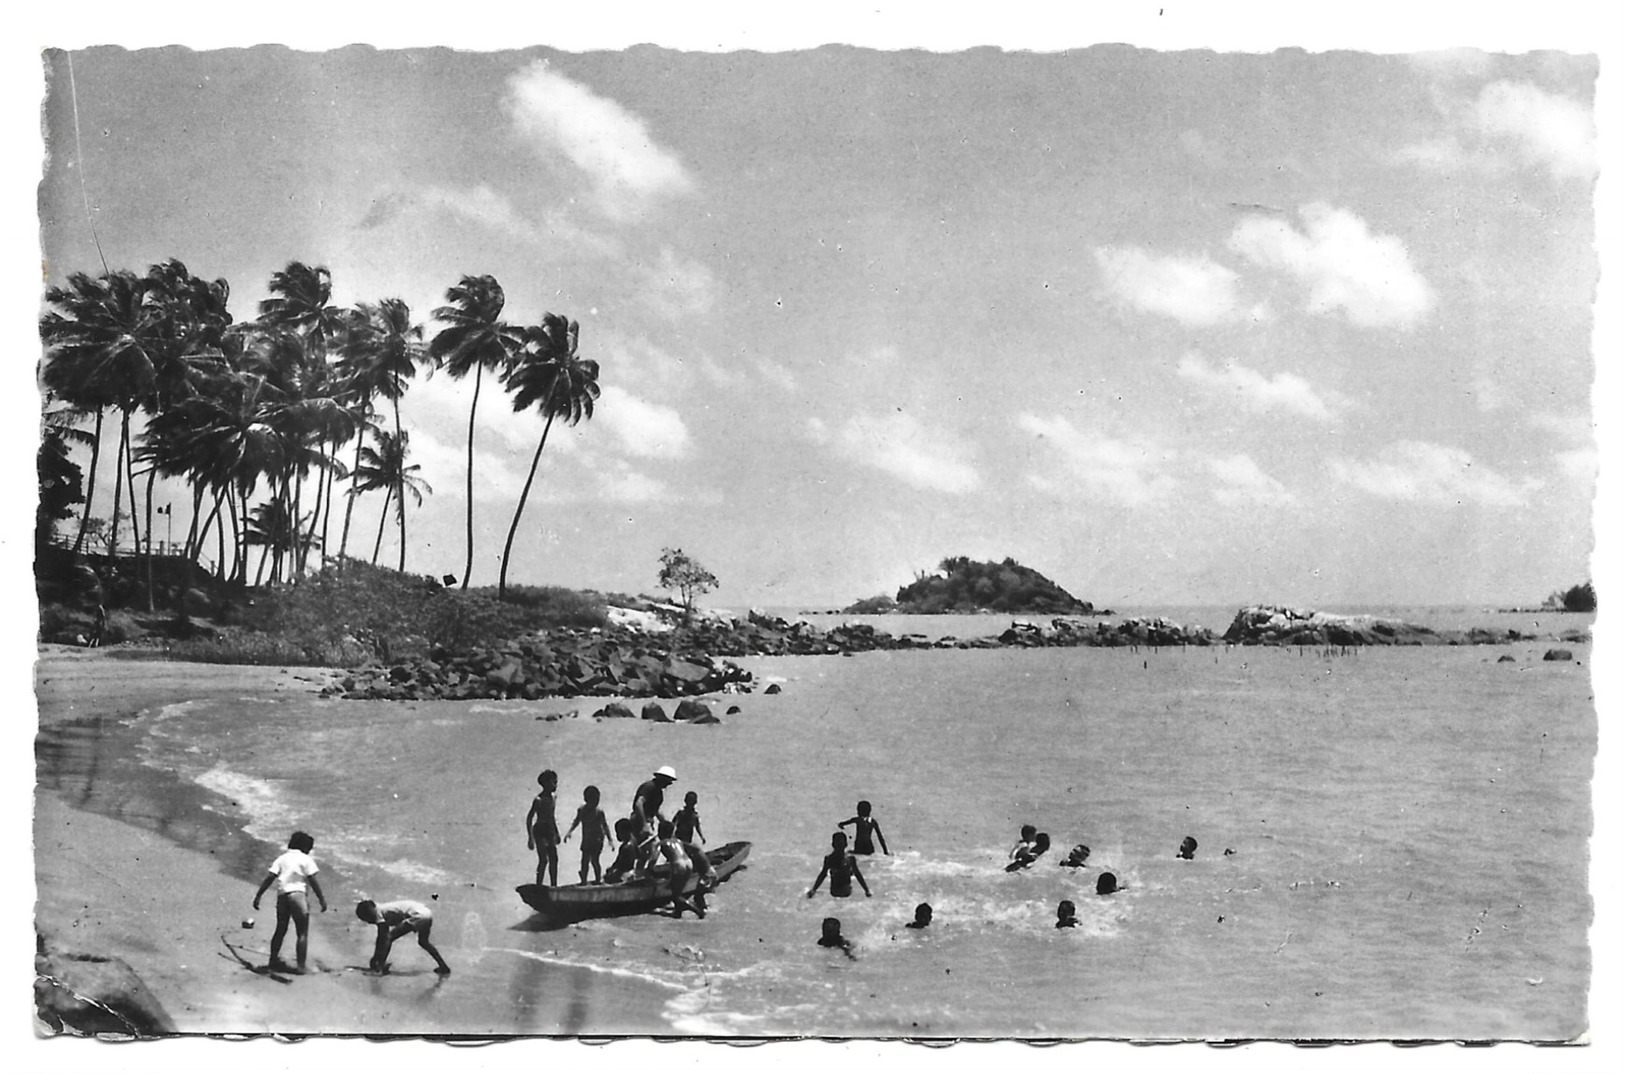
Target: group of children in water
<point>644,839</point>
<point>294,871</point>
<point>841,866</point>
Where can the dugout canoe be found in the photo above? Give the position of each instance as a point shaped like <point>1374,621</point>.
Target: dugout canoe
<point>629,896</point>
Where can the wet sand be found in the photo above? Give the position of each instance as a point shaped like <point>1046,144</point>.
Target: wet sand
<point>142,873</point>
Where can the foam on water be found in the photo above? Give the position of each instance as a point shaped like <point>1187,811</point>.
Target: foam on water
<point>269,815</point>
<point>676,982</point>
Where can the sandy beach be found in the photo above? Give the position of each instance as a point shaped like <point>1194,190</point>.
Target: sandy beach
<point>139,896</point>
<point>115,890</point>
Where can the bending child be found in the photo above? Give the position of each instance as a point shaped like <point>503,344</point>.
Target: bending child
<point>394,920</point>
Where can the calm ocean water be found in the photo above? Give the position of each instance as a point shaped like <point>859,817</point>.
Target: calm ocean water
<point>1409,832</point>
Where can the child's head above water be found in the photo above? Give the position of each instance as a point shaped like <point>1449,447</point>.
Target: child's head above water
<point>1028,832</point>
<point>590,795</point>
<point>832,928</point>
<point>1041,842</point>
<point>922,914</point>
<point>302,842</point>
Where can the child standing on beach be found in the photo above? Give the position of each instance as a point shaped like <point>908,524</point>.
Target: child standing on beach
<point>542,829</point>
<point>292,871</point>
<point>866,826</point>
<point>841,868</point>
<point>594,830</point>
<point>687,820</point>
<point>394,920</point>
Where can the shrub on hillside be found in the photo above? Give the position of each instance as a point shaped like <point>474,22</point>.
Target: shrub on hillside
<point>392,615</point>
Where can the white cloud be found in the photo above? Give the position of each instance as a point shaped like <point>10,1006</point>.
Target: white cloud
<point>1128,472</point>
<point>675,286</point>
<point>478,205</point>
<point>1490,394</point>
<point>647,430</point>
<point>1579,465</point>
<point>777,374</point>
<point>1547,129</point>
<point>1284,391</point>
<point>1368,277</point>
<point>1541,130</point>
<point>897,444</point>
<point>1421,472</point>
<point>1192,289</point>
<point>618,482</point>
<point>1241,481</point>
<point>608,143</point>
<point>445,468</point>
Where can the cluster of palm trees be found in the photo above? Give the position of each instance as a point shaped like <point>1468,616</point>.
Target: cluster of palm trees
<point>270,409</point>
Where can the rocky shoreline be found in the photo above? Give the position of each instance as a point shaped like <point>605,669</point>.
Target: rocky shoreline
<point>625,661</point>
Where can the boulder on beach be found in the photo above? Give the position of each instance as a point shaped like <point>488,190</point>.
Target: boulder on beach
<point>689,709</point>
<point>652,711</point>
<point>773,688</point>
<point>614,711</point>
<point>1558,654</point>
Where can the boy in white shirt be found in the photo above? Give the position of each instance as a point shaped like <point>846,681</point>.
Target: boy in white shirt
<point>292,871</point>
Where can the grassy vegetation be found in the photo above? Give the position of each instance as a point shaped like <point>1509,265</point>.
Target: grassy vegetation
<point>342,618</point>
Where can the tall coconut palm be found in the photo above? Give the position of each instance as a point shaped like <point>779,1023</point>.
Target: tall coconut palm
<point>474,339</point>
<point>299,301</point>
<point>379,356</point>
<point>385,467</point>
<point>103,347</point>
<point>548,374</point>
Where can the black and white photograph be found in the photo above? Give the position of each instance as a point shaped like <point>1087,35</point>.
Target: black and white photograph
<point>853,535</point>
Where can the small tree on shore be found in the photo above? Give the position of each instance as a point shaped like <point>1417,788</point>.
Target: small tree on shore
<point>682,572</point>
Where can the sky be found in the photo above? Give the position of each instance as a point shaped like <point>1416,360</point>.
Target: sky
<point>1171,327</point>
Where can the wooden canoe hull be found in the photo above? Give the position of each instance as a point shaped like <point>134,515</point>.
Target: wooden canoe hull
<point>629,896</point>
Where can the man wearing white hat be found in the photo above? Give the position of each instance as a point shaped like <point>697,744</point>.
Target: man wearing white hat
<point>648,798</point>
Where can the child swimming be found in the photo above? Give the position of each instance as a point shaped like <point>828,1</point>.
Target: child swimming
<point>1066,915</point>
<point>1025,855</point>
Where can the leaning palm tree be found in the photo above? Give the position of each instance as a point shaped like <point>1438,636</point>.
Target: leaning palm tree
<point>547,374</point>
<point>103,347</point>
<point>474,339</point>
<point>384,467</point>
<point>380,353</point>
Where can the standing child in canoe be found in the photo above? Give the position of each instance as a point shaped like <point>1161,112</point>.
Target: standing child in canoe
<point>865,826</point>
<point>841,868</point>
<point>594,831</point>
<point>542,829</point>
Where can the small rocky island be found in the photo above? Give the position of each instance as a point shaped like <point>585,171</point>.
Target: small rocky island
<point>963,586</point>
